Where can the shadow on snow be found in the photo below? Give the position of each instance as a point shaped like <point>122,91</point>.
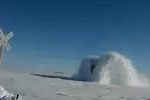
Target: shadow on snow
<point>53,76</point>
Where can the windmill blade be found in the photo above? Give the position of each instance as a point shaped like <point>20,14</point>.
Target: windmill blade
<point>4,42</point>
<point>7,46</point>
<point>1,42</point>
<point>9,36</point>
<point>1,30</point>
<point>1,33</point>
<point>1,53</point>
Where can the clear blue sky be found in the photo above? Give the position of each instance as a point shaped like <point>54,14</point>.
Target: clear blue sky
<point>57,34</point>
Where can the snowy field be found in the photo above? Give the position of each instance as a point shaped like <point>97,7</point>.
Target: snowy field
<point>32,87</point>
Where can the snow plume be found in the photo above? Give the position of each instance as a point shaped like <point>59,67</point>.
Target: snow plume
<point>111,68</point>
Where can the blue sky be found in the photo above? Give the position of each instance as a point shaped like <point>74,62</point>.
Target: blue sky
<point>57,34</point>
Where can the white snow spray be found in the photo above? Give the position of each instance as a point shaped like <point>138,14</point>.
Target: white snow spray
<point>111,68</point>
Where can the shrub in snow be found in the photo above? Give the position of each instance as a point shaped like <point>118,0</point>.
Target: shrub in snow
<point>4,95</point>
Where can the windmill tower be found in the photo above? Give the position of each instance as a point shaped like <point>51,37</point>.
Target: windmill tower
<point>4,42</point>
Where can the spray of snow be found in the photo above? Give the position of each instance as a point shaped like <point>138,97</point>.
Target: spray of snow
<point>111,68</point>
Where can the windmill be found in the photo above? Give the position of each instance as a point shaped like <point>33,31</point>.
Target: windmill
<point>4,42</point>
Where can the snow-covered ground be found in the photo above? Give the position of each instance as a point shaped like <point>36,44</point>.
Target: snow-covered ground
<point>32,87</point>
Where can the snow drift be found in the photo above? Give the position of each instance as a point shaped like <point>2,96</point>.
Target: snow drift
<point>111,68</point>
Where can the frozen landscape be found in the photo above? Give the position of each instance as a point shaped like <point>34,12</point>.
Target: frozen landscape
<point>32,87</point>
<point>75,50</point>
<point>60,87</point>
